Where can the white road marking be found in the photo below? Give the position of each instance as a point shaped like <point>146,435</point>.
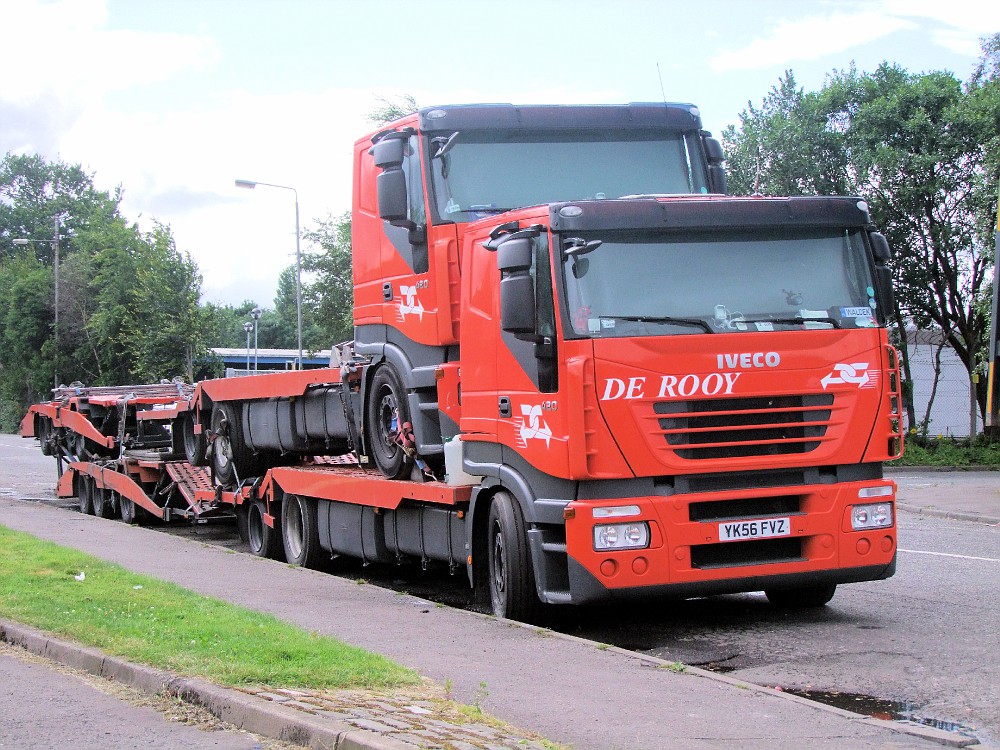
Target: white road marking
<point>945,554</point>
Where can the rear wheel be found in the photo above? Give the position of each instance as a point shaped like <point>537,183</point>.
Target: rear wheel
<point>102,502</point>
<point>232,459</point>
<point>385,414</point>
<point>195,446</point>
<point>85,494</point>
<point>804,597</point>
<point>300,532</point>
<point>511,578</point>
<point>44,433</point>
<point>264,540</point>
<point>130,513</point>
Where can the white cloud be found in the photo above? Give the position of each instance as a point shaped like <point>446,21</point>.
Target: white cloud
<point>810,39</point>
<point>956,26</point>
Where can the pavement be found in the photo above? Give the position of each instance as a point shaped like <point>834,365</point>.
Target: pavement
<point>571,692</point>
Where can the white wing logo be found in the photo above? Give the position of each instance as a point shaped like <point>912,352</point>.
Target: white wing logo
<point>409,304</point>
<point>533,426</point>
<point>855,373</point>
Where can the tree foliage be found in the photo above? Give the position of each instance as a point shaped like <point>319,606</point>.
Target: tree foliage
<point>129,307</point>
<point>921,149</point>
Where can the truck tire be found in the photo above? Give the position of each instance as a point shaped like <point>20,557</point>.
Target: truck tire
<point>386,412</point>
<point>511,578</point>
<point>300,532</point>
<point>85,494</point>
<point>195,446</point>
<point>264,540</point>
<point>804,597</point>
<point>130,513</point>
<point>102,502</point>
<point>44,433</point>
<point>232,459</point>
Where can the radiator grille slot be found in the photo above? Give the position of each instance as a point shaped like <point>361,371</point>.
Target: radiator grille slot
<point>735,554</point>
<point>751,507</point>
<point>740,427</point>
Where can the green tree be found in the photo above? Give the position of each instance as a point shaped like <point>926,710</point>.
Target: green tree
<point>331,293</point>
<point>390,109</point>
<point>920,148</point>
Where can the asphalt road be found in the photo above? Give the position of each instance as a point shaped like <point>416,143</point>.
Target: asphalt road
<point>926,640</point>
<point>42,706</point>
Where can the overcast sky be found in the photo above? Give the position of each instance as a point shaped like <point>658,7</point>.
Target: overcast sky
<point>175,99</point>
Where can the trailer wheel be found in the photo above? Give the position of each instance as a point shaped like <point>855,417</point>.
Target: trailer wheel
<point>299,531</point>
<point>804,597</point>
<point>102,502</point>
<point>511,578</point>
<point>44,433</point>
<point>79,446</point>
<point>85,493</point>
<point>231,457</point>
<point>130,513</point>
<point>195,446</point>
<point>386,412</point>
<point>264,540</point>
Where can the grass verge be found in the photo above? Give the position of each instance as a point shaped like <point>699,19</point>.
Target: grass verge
<point>69,593</point>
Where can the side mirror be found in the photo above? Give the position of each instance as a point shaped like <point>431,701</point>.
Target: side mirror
<point>713,150</point>
<point>514,255</point>
<point>517,305</point>
<point>388,153</point>
<point>883,280</point>
<point>517,287</point>
<point>392,203</point>
<point>880,247</point>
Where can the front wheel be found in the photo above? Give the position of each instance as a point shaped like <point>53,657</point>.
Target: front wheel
<point>386,413</point>
<point>299,531</point>
<point>511,577</point>
<point>803,597</point>
<point>264,540</point>
<point>232,458</point>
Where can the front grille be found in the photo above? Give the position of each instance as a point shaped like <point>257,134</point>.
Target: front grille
<point>750,507</point>
<point>735,554</point>
<point>741,427</point>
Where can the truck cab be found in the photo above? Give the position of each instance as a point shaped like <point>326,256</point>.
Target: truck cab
<point>421,183</point>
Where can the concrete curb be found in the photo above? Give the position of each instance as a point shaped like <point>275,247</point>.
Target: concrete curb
<point>247,712</point>
<point>955,515</point>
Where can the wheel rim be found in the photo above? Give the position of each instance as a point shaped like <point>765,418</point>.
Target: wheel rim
<point>293,529</point>
<point>498,570</point>
<point>222,452</point>
<point>388,421</point>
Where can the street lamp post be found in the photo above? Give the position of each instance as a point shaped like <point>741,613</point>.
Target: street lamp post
<point>255,314</point>
<point>248,326</point>
<point>55,273</point>
<point>250,185</point>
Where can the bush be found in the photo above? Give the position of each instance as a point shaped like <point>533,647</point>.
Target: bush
<point>946,451</point>
<point>10,416</point>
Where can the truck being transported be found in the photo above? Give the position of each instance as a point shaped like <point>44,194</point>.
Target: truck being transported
<point>580,372</point>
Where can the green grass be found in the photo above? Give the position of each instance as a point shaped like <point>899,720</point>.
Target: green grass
<point>168,627</point>
<point>942,451</point>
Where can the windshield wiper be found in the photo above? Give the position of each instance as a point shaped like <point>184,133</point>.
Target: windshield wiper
<point>796,320</point>
<point>666,319</point>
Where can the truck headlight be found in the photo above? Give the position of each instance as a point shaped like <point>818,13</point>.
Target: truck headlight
<point>621,536</point>
<point>874,516</point>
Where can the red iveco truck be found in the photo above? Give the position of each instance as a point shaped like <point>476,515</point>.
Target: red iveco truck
<point>580,371</point>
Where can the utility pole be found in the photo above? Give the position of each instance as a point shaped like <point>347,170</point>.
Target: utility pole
<point>992,425</point>
<point>55,269</point>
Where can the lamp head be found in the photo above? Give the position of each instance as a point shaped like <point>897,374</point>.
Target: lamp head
<point>248,184</point>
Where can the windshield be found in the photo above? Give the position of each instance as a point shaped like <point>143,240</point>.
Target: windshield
<point>724,282</point>
<point>477,173</point>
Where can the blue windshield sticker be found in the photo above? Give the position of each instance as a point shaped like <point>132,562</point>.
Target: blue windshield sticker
<point>855,312</point>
